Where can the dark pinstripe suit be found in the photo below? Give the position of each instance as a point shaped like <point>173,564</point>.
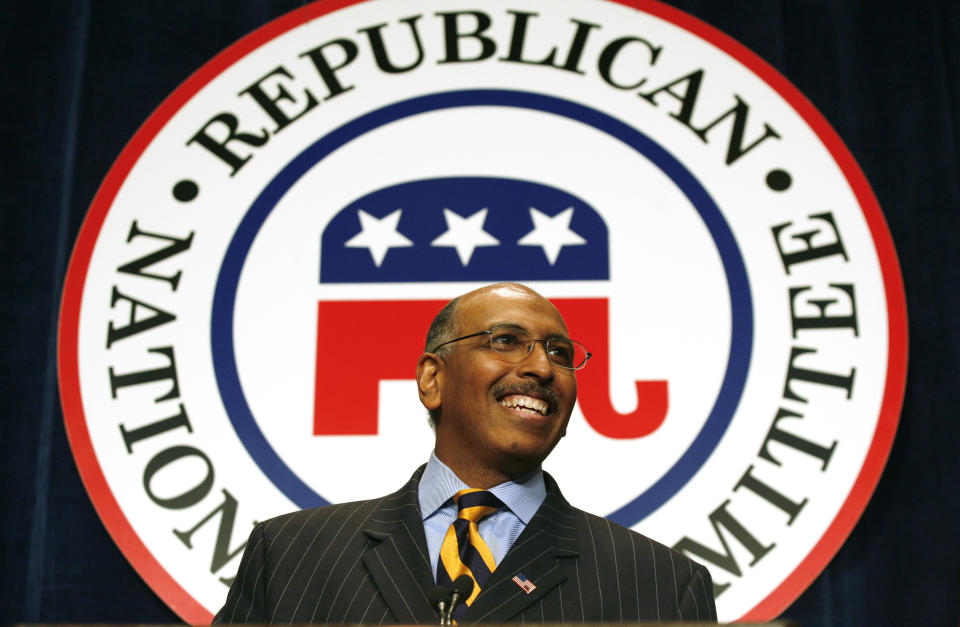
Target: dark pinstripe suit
<point>366,562</point>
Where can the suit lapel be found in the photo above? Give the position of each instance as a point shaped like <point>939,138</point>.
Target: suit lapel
<point>551,534</point>
<point>397,559</point>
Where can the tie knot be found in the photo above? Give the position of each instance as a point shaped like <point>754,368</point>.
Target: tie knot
<point>476,504</point>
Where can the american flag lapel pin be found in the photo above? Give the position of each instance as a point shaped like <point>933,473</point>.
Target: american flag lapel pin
<point>525,584</point>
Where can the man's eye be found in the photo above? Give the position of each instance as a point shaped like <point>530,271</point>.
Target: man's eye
<point>561,353</point>
<point>505,340</point>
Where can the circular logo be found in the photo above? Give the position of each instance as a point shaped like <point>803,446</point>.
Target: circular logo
<point>253,283</point>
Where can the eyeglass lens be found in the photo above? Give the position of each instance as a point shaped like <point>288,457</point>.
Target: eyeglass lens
<point>516,344</point>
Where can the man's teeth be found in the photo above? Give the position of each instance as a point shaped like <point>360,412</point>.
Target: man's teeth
<point>525,402</point>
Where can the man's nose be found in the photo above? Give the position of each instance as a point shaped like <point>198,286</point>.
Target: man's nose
<point>537,363</point>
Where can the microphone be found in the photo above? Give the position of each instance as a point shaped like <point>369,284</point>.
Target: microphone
<point>462,588</point>
<point>440,598</point>
<point>446,599</point>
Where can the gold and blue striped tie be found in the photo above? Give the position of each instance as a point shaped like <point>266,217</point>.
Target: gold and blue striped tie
<point>463,551</point>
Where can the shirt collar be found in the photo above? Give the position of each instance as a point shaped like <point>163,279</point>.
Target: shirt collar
<point>438,484</point>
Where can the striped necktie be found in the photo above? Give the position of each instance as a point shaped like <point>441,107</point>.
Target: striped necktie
<point>463,551</point>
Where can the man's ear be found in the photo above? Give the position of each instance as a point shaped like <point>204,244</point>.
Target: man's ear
<point>429,375</point>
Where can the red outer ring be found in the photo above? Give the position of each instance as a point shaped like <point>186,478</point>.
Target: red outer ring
<point>183,603</point>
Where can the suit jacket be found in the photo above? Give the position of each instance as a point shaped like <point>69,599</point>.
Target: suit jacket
<point>366,562</point>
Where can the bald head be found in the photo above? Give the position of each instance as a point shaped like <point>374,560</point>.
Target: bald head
<point>445,325</point>
<point>505,291</point>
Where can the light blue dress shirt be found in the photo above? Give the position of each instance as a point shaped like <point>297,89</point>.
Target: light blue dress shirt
<point>438,484</point>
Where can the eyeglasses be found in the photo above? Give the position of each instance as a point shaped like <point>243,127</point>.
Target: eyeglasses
<point>515,345</point>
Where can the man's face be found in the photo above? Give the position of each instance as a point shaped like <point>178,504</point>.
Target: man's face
<point>501,419</point>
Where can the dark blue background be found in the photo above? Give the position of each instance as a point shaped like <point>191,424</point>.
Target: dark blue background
<point>78,78</point>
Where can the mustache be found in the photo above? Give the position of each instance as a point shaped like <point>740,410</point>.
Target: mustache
<point>529,388</point>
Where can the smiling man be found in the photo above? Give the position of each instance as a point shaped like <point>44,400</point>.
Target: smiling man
<point>498,378</point>
<point>507,400</point>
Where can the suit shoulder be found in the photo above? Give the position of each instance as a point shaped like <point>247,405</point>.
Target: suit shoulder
<point>338,520</point>
<point>294,523</point>
<point>620,538</point>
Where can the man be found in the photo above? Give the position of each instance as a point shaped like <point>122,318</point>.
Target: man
<point>498,379</point>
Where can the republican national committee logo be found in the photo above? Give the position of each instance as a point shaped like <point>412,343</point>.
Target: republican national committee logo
<point>250,291</point>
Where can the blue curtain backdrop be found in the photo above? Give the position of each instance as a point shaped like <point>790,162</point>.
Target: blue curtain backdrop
<point>78,78</point>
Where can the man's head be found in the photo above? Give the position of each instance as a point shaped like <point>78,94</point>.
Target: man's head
<point>495,418</point>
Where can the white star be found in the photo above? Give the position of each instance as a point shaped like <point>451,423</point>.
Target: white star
<point>378,235</point>
<point>465,234</point>
<point>551,233</point>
